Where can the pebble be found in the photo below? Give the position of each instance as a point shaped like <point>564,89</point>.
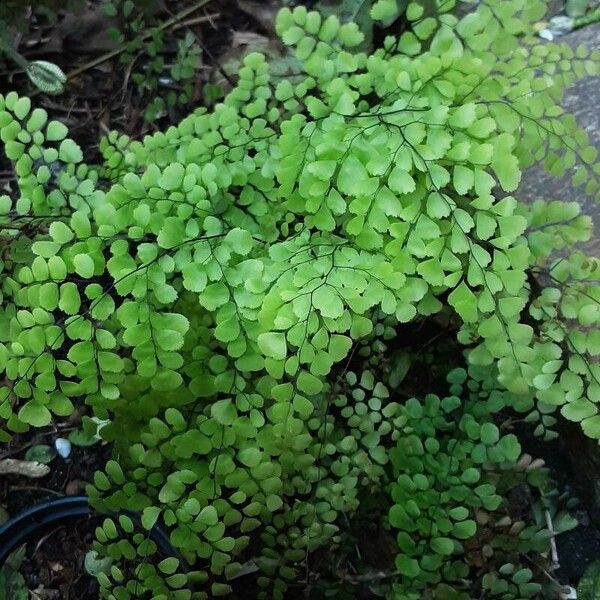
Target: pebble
<point>63,447</point>
<point>559,25</point>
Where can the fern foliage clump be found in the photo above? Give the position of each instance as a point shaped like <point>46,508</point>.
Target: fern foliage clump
<point>237,297</point>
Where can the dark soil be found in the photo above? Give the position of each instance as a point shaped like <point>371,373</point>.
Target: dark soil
<point>580,546</point>
<point>54,565</point>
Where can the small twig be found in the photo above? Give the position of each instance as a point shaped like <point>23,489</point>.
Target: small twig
<point>197,21</point>
<point>37,42</point>
<point>553,549</point>
<point>128,74</point>
<point>104,127</point>
<point>215,62</point>
<point>542,569</point>
<point>168,23</point>
<point>356,547</point>
<point>59,108</point>
<point>43,540</point>
<point>34,488</point>
<point>375,576</point>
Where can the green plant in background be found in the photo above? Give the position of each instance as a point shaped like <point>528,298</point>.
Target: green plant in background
<point>181,75</point>
<point>234,298</point>
<point>163,83</point>
<point>15,13</point>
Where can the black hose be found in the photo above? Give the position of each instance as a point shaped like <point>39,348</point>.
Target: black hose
<point>34,521</point>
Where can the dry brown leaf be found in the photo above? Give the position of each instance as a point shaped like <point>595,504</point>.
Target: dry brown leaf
<point>25,468</point>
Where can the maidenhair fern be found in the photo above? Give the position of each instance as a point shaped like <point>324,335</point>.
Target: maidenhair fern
<point>223,295</point>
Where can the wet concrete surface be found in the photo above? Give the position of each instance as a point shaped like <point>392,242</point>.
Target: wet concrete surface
<point>583,101</point>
